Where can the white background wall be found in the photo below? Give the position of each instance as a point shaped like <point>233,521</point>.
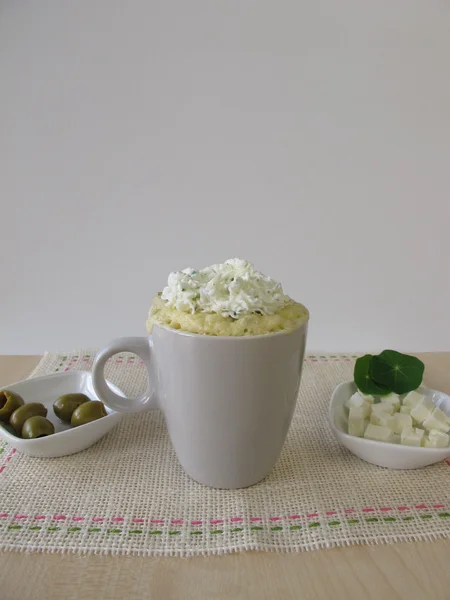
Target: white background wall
<point>311,137</point>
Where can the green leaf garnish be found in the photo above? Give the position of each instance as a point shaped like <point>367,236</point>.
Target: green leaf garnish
<point>400,372</point>
<point>364,380</point>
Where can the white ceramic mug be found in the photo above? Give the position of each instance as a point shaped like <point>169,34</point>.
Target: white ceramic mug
<point>228,401</point>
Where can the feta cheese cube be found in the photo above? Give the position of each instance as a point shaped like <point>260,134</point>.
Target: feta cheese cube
<point>401,421</point>
<point>434,421</point>
<point>383,420</point>
<point>422,410</point>
<point>377,433</point>
<point>412,399</point>
<point>357,421</point>
<point>357,401</point>
<point>393,399</point>
<point>412,436</point>
<point>440,415</point>
<point>383,408</point>
<point>367,397</point>
<point>405,410</point>
<point>357,427</point>
<point>436,439</point>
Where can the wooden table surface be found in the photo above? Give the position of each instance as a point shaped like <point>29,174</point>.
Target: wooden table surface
<point>413,571</point>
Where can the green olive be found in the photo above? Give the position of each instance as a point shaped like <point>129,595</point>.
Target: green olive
<point>24,412</point>
<point>9,401</point>
<point>65,405</point>
<point>36,427</point>
<point>90,411</point>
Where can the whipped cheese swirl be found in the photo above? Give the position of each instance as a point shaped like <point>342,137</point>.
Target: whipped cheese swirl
<point>233,288</point>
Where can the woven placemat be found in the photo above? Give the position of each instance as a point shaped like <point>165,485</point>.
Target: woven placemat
<point>128,494</point>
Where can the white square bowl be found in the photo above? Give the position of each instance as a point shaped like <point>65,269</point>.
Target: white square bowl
<point>384,454</point>
<point>66,439</point>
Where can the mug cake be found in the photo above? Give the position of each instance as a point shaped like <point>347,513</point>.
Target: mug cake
<point>227,299</point>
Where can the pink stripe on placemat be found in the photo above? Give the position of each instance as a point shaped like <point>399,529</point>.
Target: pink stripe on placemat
<point>7,459</point>
<point>61,517</point>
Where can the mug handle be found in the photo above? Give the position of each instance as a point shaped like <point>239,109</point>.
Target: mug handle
<point>137,345</point>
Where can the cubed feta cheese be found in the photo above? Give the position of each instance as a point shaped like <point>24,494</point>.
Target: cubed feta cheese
<point>422,410</point>
<point>434,421</point>
<point>357,427</point>
<point>383,408</point>
<point>357,401</point>
<point>412,436</point>
<point>357,421</point>
<point>367,397</point>
<point>412,399</point>
<point>436,439</point>
<point>440,415</point>
<point>393,399</point>
<point>384,420</point>
<point>405,410</point>
<point>401,421</point>
<point>377,433</point>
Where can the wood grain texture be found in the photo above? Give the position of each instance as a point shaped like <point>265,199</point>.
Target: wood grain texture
<point>413,571</point>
